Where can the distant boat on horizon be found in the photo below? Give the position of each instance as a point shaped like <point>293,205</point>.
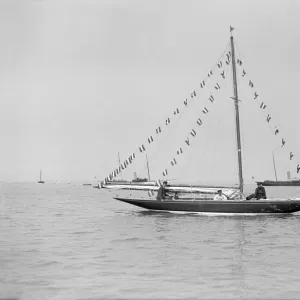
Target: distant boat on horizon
<point>41,181</point>
<point>288,182</point>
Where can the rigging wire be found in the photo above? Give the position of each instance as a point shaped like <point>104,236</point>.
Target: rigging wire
<point>271,128</point>
<point>153,156</point>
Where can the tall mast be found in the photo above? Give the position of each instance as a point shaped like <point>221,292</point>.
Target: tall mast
<point>274,166</point>
<point>120,164</point>
<point>237,115</point>
<point>148,167</point>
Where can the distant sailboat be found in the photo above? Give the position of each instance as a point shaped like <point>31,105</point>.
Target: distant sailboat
<point>41,181</point>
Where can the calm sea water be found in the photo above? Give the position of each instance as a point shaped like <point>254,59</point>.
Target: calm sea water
<point>74,242</point>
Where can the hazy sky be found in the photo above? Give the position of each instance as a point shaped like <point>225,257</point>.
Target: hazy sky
<point>81,81</point>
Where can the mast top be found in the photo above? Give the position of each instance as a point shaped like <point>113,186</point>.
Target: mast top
<point>231,29</point>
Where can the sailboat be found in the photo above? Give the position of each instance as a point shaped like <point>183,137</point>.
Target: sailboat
<point>41,181</point>
<point>236,202</point>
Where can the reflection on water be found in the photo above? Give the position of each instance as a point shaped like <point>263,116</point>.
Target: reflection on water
<point>66,242</point>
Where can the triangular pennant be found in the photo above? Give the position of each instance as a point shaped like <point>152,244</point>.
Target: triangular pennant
<point>199,122</point>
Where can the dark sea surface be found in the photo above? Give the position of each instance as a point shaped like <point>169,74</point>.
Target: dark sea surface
<point>66,241</point>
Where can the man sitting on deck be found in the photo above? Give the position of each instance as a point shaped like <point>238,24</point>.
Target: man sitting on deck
<point>161,193</point>
<point>260,193</point>
<point>220,196</point>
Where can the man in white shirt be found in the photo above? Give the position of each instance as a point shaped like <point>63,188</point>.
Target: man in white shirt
<point>220,196</point>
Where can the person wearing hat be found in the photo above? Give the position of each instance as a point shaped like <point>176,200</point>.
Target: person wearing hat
<point>161,193</point>
<point>220,196</point>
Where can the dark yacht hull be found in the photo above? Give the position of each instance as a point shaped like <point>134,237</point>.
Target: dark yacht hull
<point>211,206</point>
<point>280,183</point>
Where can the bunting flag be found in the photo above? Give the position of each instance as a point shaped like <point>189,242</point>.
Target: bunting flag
<point>142,148</point>
<point>276,130</point>
<point>114,174</point>
<point>211,98</point>
<point>268,118</point>
<point>223,74</point>
<point>210,73</point>
<point>199,122</point>
<point>244,73</point>
<point>168,121</point>
<point>150,139</point>
<point>194,93</point>
<point>239,62</point>
<point>165,172</point>
<point>220,64</point>
<point>217,86</point>
<point>173,162</point>
<point>263,106</point>
<point>291,155</point>
<point>133,155</point>
<point>202,84</point>
<point>193,133</point>
<point>298,168</point>
<point>120,169</point>
<point>158,130</point>
<point>251,83</point>
<point>255,95</point>
<point>176,111</point>
<point>185,102</point>
<point>187,141</point>
<point>228,56</point>
<point>205,110</point>
<point>179,151</point>
<point>282,142</point>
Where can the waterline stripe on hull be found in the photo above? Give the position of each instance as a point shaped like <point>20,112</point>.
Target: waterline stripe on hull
<point>212,213</point>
